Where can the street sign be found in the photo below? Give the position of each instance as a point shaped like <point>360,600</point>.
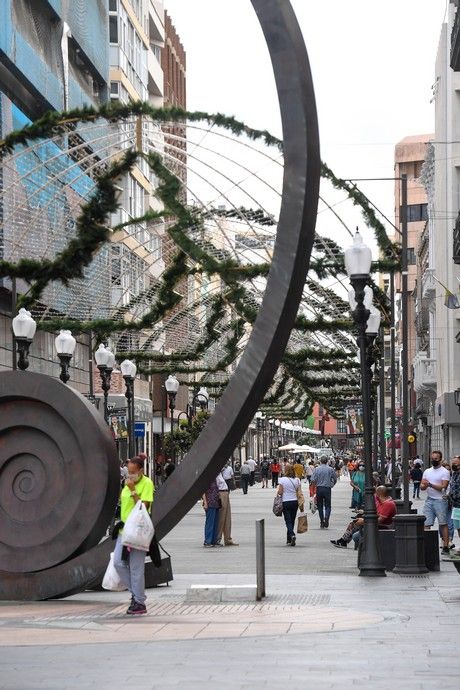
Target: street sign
<point>139,429</point>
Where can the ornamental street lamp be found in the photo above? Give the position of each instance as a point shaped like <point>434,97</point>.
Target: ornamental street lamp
<point>65,347</point>
<point>128,370</point>
<point>358,260</point>
<point>24,328</point>
<point>105,361</point>
<point>201,398</point>
<point>172,386</point>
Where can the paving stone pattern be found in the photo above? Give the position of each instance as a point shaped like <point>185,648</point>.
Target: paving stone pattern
<point>321,625</point>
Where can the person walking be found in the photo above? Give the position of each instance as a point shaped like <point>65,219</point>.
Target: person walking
<point>264,470</point>
<point>323,479</point>
<point>225,514</point>
<point>229,476</point>
<point>435,481</point>
<point>288,486</point>
<point>454,495</point>
<point>275,468</point>
<point>130,563</point>
<point>245,474</point>
<point>357,481</point>
<point>416,475</point>
<point>252,467</point>
<point>211,505</point>
<point>299,469</point>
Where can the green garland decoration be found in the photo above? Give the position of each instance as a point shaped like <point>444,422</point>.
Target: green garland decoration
<point>92,232</point>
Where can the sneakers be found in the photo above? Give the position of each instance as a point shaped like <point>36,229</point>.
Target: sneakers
<point>339,543</point>
<point>326,523</point>
<point>445,551</point>
<point>232,543</point>
<point>292,541</point>
<point>208,546</point>
<point>136,609</point>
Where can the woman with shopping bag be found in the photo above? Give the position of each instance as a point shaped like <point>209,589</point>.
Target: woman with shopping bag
<point>290,490</point>
<point>134,540</point>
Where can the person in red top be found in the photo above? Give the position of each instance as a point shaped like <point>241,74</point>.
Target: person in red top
<point>386,510</point>
<point>275,470</point>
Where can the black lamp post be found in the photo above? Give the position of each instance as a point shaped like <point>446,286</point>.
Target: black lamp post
<point>358,260</point>
<point>172,386</point>
<point>65,347</point>
<point>258,428</point>
<point>105,360</point>
<point>24,328</point>
<point>128,370</point>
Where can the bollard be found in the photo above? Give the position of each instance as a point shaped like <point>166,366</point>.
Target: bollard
<point>260,558</point>
<point>410,545</point>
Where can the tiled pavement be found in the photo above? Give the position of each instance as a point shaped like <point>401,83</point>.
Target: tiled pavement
<point>321,625</point>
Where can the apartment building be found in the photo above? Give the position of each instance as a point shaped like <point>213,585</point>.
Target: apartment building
<point>53,55</point>
<point>437,361</point>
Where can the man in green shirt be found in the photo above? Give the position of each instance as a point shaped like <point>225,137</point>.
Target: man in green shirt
<point>129,563</point>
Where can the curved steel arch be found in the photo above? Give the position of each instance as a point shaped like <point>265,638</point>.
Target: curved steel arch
<point>286,279</point>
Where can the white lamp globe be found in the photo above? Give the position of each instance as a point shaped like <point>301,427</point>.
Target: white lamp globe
<point>172,384</point>
<point>23,325</point>
<point>358,257</point>
<point>65,343</point>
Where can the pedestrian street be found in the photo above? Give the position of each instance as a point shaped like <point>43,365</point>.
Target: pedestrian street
<point>334,628</point>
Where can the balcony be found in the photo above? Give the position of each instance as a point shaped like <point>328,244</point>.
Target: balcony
<point>424,372</point>
<point>422,321</point>
<point>428,284</point>
<point>155,83</point>
<point>455,44</point>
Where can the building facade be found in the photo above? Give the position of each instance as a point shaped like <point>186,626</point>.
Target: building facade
<point>437,363</point>
<point>53,56</point>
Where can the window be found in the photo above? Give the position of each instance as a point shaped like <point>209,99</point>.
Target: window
<point>411,258</point>
<point>416,213</point>
<point>341,426</point>
<point>113,5</point>
<point>113,30</point>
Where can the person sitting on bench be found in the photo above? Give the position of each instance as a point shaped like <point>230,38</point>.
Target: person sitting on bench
<point>386,510</point>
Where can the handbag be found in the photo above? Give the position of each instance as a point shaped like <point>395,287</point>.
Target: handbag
<point>278,505</point>
<point>302,523</point>
<point>111,580</point>
<point>138,530</point>
<point>231,484</point>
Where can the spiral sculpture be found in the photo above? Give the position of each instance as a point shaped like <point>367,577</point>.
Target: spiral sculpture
<point>59,483</point>
<point>59,473</point>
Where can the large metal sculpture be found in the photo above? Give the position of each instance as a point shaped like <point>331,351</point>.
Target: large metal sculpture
<point>57,460</point>
<point>59,484</point>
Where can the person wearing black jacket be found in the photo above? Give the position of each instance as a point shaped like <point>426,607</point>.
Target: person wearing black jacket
<point>416,475</point>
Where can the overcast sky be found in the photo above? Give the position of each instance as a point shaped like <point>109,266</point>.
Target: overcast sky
<point>373,68</point>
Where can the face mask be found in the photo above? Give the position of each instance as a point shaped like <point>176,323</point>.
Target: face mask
<point>455,468</point>
<point>436,463</point>
<point>361,467</point>
<point>133,477</point>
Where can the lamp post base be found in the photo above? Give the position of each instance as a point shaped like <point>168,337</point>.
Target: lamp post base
<point>370,562</point>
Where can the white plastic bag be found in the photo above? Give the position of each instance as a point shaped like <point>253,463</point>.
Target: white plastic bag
<point>111,579</point>
<point>138,530</point>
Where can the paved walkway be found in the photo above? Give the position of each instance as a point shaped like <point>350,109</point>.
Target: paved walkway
<point>320,626</point>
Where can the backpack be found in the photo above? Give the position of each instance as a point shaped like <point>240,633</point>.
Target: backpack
<point>264,465</point>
